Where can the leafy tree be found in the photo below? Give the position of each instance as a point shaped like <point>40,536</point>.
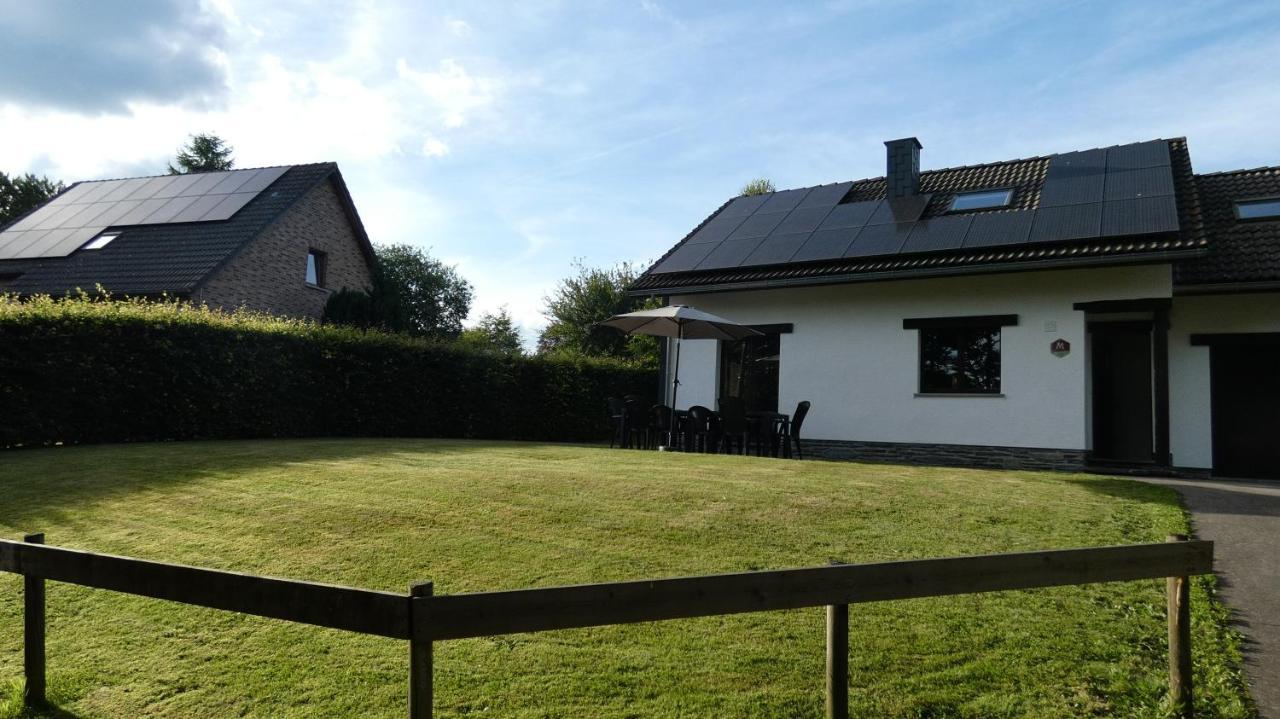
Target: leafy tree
<point>203,153</point>
<point>758,186</point>
<point>419,294</point>
<point>588,297</point>
<point>495,332</point>
<point>20,194</point>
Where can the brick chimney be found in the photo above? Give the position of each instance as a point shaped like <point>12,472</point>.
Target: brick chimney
<point>902,173</point>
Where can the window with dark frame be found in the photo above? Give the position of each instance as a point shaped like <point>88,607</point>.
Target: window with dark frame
<point>315,268</point>
<point>749,370</point>
<point>1260,209</point>
<point>960,359</point>
<point>981,200</point>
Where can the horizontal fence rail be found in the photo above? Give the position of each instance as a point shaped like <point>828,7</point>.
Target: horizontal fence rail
<point>323,605</point>
<point>534,610</point>
<point>423,618</point>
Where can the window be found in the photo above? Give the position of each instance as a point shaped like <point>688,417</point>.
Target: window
<point>1258,209</point>
<point>100,241</point>
<point>315,268</point>
<point>749,369</point>
<point>982,200</point>
<point>960,355</point>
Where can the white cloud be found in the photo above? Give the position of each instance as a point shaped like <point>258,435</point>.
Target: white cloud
<point>459,28</point>
<point>451,89</point>
<point>434,147</point>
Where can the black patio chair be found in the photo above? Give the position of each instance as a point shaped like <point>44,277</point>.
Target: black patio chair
<point>660,425</point>
<point>793,428</point>
<point>616,408</point>
<point>698,428</point>
<point>635,425</point>
<point>735,430</point>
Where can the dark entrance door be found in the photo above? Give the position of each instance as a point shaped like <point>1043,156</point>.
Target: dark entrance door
<point>1246,410</point>
<point>1122,411</point>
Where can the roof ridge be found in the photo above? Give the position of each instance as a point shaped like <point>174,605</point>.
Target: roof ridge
<point>1244,171</point>
<point>234,169</point>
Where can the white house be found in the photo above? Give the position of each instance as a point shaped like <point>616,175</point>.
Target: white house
<point>1101,308</point>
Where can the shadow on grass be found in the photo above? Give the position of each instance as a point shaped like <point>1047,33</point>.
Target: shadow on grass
<point>1128,489</point>
<point>50,485</point>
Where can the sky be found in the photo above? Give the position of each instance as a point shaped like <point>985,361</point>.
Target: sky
<point>514,139</point>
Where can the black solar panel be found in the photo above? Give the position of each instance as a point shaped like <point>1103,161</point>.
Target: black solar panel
<point>804,219</point>
<point>1145,182</point>
<point>1071,222</point>
<point>826,244</point>
<point>758,225</point>
<point>880,240</point>
<point>730,253</point>
<point>91,207</point>
<point>991,229</point>
<point>1139,155</point>
<point>1074,178</point>
<point>776,249</point>
<point>853,214</point>
<point>1140,216</point>
<point>784,201</point>
<point>941,233</point>
<point>717,228</point>
<point>685,257</point>
<point>826,195</point>
<point>743,206</point>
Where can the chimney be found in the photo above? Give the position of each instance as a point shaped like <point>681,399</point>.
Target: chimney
<point>902,174</point>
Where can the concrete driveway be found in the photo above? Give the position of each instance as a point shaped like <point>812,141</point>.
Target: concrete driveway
<point>1242,518</point>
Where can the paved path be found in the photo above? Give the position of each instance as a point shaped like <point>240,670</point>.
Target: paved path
<point>1242,517</point>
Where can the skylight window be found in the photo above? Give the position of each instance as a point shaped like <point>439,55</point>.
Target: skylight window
<point>1258,209</point>
<point>981,200</point>
<point>100,241</point>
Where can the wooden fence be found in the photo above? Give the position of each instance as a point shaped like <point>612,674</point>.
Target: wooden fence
<point>423,619</point>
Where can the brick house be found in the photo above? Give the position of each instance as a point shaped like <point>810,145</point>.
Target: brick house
<point>274,239</point>
<point>1105,308</point>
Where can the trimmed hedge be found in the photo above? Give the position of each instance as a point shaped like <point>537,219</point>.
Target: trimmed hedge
<point>77,370</point>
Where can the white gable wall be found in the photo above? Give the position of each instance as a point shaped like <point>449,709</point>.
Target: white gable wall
<point>849,355</point>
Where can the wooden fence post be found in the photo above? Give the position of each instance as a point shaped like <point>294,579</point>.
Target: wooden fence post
<point>33,692</point>
<point>838,661</point>
<point>1179,596</point>
<point>420,652</point>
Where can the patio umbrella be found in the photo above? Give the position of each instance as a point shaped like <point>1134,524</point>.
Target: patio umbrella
<point>683,323</point>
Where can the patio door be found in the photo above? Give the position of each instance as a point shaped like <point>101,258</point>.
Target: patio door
<point>749,369</point>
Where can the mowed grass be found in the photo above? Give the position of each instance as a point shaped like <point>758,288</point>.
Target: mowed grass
<point>474,516</point>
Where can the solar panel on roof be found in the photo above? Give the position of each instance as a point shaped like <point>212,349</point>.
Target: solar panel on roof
<point>757,225</point>
<point>1144,182</point>
<point>1074,178</point>
<point>880,240</point>
<point>685,257</point>
<point>743,206</point>
<point>729,253</point>
<point>1069,222</point>
<point>1140,216</point>
<point>852,214</point>
<point>94,206</point>
<point>1139,155</point>
<point>941,233</point>
<point>826,244</point>
<point>802,219</point>
<point>784,201</point>
<point>826,195</point>
<point>990,229</point>
<point>776,249</point>
<point>716,229</point>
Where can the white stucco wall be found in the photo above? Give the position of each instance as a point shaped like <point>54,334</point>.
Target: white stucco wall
<point>849,355</point>
<point>1190,423</point>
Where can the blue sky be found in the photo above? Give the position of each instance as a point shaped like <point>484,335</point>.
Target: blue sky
<point>512,138</point>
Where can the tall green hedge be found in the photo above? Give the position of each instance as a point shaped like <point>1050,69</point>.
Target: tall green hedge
<point>77,370</point>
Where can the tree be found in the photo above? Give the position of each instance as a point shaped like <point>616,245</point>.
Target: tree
<point>758,186</point>
<point>495,332</point>
<point>418,294</point>
<point>20,194</point>
<point>579,302</point>
<point>203,153</point>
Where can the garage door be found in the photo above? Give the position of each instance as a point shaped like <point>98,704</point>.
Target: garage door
<point>1246,410</point>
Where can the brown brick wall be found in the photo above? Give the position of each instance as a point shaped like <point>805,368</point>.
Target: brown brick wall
<point>269,275</point>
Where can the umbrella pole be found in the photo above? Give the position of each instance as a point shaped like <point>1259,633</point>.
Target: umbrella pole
<point>675,390</point>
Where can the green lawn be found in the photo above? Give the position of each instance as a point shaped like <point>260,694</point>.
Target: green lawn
<point>473,516</point>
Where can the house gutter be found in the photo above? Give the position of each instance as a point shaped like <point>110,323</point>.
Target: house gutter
<point>1002,268</point>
